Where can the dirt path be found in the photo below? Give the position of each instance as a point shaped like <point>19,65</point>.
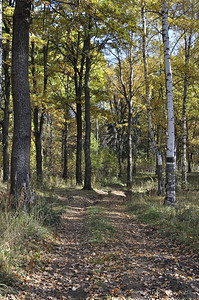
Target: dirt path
<point>136,263</point>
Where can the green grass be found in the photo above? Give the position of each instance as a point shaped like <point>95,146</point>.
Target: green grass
<point>25,234</point>
<point>180,222</point>
<point>98,228</point>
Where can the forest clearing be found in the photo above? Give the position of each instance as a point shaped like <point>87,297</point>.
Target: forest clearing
<point>99,149</point>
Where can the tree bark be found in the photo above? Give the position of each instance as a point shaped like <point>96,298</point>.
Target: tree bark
<point>148,101</point>
<point>38,125</point>
<point>170,160</point>
<point>78,77</point>
<point>20,161</point>
<point>128,95</point>
<point>184,120</point>
<point>87,177</point>
<point>135,145</point>
<point>120,151</point>
<point>130,147</point>
<point>65,146</point>
<point>190,157</point>
<point>38,130</point>
<point>5,123</point>
<point>79,142</point>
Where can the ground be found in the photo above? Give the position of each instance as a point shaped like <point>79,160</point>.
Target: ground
<point>133,261</point>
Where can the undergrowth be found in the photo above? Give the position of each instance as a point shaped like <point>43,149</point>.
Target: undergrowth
<point>180,222</point>
<point>25,234</point>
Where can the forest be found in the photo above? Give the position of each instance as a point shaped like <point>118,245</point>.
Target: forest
<point>99,132</point>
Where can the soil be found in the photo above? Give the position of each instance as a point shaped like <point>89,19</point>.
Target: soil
<point>136,262</point>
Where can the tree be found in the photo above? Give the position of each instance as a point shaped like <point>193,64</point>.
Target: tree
<point>38,125</point>
<point>6,108</point>
<point>170,159</point>
<point>148,100</point>
<point>87,178</point>
<point>20,160</point>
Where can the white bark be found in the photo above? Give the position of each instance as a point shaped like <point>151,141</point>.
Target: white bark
<point>170,162</point>
<point>148,101</point>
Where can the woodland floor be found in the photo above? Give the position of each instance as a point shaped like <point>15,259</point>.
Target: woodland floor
<point>136,262</point>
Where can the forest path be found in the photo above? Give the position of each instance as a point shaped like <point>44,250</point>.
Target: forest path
<point>132,262</point>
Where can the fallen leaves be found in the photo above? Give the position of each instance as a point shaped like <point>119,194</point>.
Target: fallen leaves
<point>135,264</point>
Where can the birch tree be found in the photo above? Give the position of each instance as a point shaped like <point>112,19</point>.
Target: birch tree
<point>148,102</point>
<point>170,159</point>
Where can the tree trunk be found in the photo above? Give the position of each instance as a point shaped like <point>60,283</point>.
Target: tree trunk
<point>130,147</point>
<point>5,124</point>
<point>78,91</point>
<point>79,144</point>
<point>45,55</point>
<point>50,145</point>
<point>190,157</point>
<point>184,120</point>
<point>97,130</point>
<point>38,129</point>
<point>148,100</point>
<point>87,177</point>
<point>20,161</point>
<point>170,161</point>
<point>120,150</point>
<point>65,147</point>
<point>38,125</point>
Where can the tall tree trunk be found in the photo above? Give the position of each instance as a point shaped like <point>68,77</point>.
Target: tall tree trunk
<point>79,143</point>
<point>45,55</point>
<point>190,157</point>
<point>5,123</point>
<point>120,150</point>
<point>135,145</point>
<point>50,143</point>
<point>128,97</point>
<point>78,91</point>
<point>38,125</point>
<point>87,177</point>
<point>20,161</point>
<point>184,120</point>
<point>148,100</point>
<point>170,160</point>
<point>38,129</point>
<point>97,130</point>
<point>65,146</point>
<point>130,147</point>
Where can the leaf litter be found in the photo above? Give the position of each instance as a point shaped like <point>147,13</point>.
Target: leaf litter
<point>135,262</point>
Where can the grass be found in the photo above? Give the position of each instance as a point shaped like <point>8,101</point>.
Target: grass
<point>25,236</point>
<point>180,222</point>
<point>98,228</point>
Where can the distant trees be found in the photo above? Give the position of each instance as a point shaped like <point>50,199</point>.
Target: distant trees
<point>99,61</point>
